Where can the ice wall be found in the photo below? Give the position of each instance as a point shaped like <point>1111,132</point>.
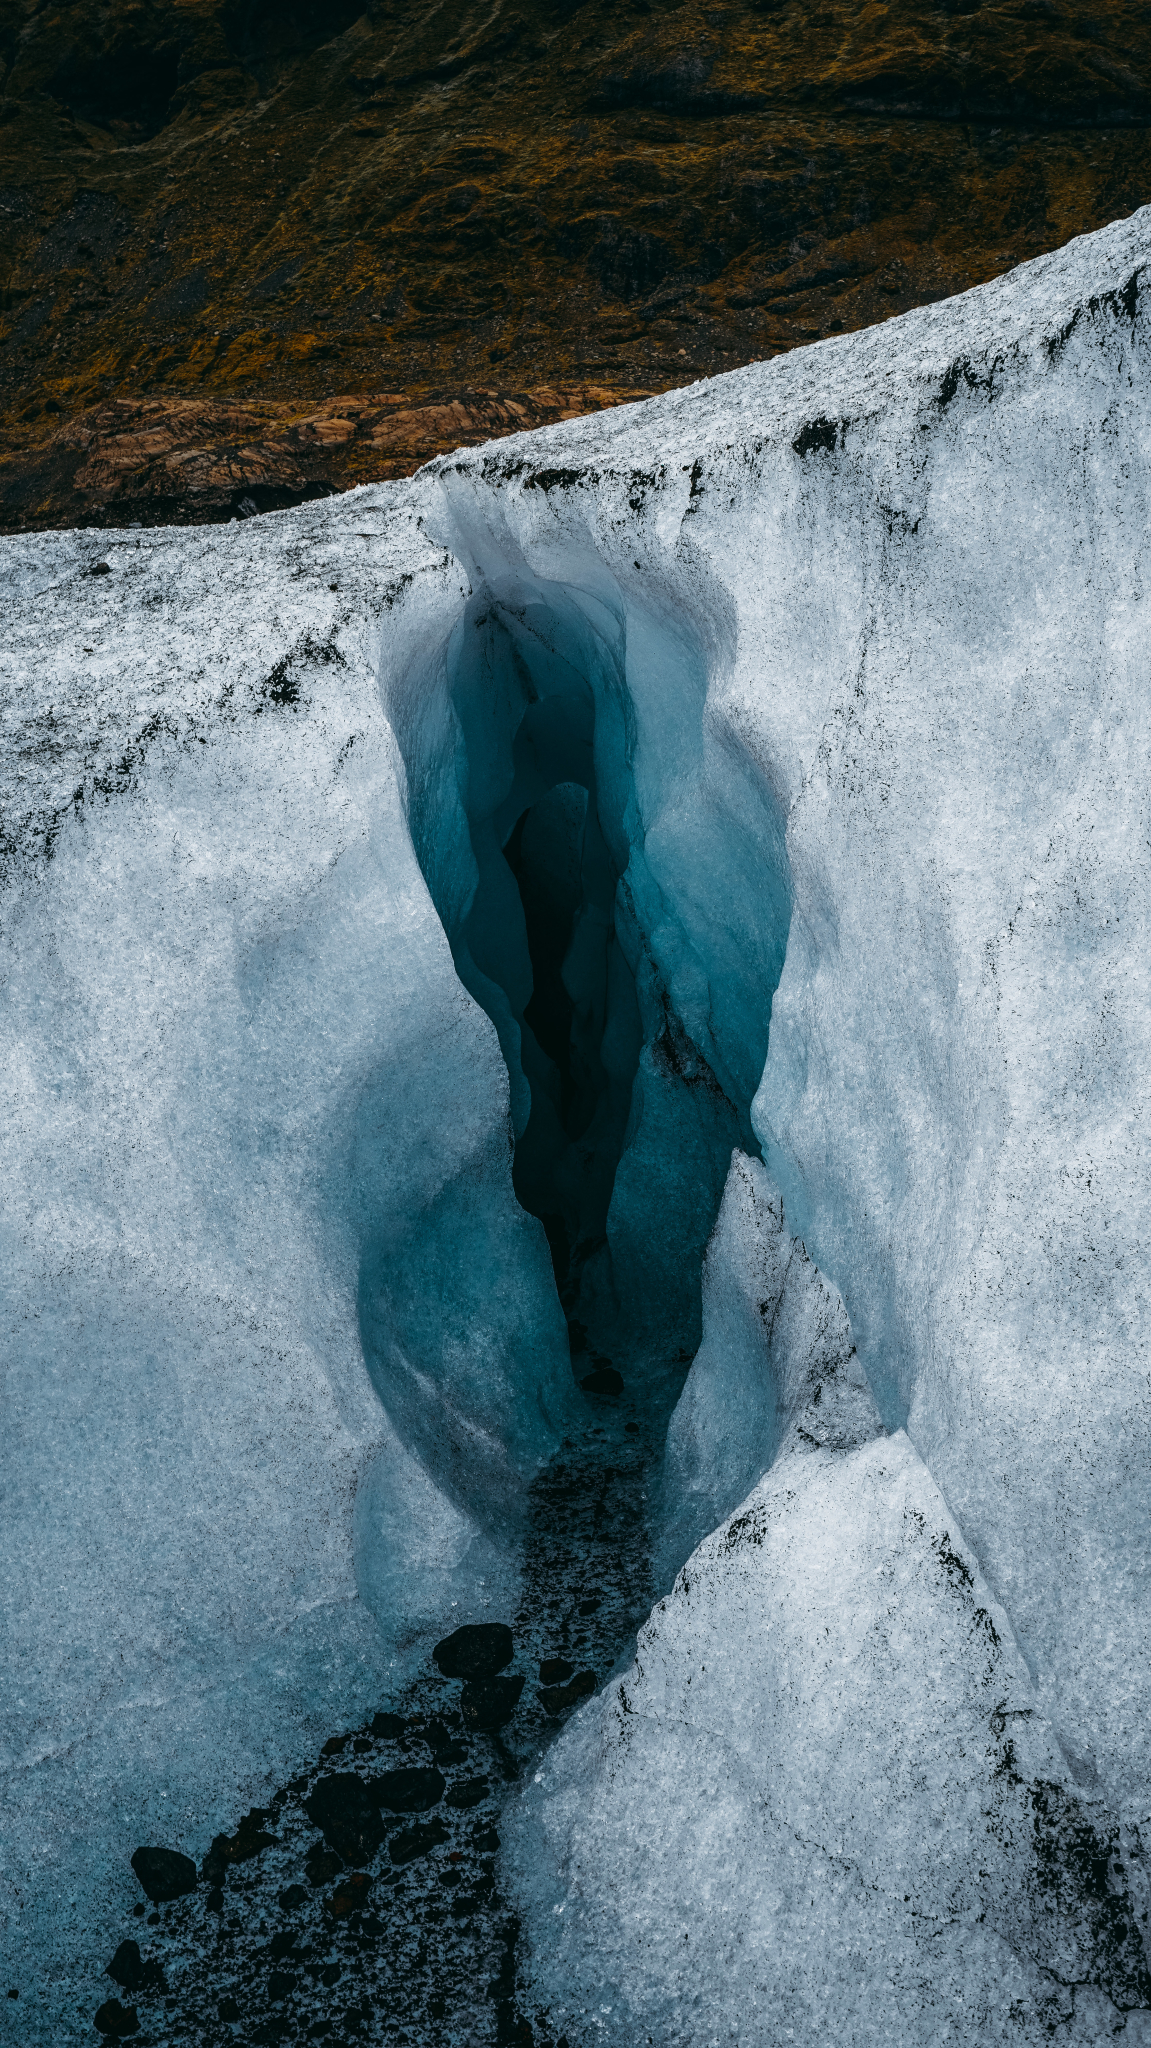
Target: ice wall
<point>865,632</point>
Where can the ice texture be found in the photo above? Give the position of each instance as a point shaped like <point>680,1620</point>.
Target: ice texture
<point>777,1361</point>
<point>844,785</point>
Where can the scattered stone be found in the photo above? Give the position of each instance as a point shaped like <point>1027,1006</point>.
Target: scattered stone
<point>280,1983</point>
<point>417,1841</point>
<point>468,1792</point>
<point>478,1650</point>
<point>115,2019</point>
<point>228,2009</point>
<point>632,1428</point>
<point>291,1898</point>
<point>281,1944</point>
<point>164,1873</point>
<point>556,1699</point>
<point>333,1745</point>
<point>388,1727</point>
<point>555,1670</point>
<point>409,1790</point>
<point>100,569</point>
<point>350,1894</point>
<point>347,1814</point>
<point>603,1380</point>
<point>490,1702</point>
<point>139,1911</point>
<point>215,1899</point>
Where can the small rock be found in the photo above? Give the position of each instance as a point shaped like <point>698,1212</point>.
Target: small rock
<point>478,1650</point>
<point>554,1670</point>
<point>291,1898</point>
<point>280,1983</point>
<point>417,1841</point>
<point>388,1727</point>
<point>409,1790</point>
<point>164,1873</point>
<point>333,1745</point>
<point>115,2020</point>
<point>215,1899</point>
<point>490,1702</point>
<point>468,1792</point>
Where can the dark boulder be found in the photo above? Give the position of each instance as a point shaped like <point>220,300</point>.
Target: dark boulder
<point>350,1894</point>
<point>468,1792</point>
<point>555,1670</point>
<point>417,1841</point>
<point>603,1380</point>
<point>410,1790</point>
<point>490,1702</point>
<point>322,1865</point>
<point>477,1651</point>
<point>164,1873</point>
<point>128,1969</point>
<point>116,2020</point>
<point>347,1813</point>
<point>556,1699</point>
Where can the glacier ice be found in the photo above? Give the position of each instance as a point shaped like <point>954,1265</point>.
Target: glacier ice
<point>370,864</point>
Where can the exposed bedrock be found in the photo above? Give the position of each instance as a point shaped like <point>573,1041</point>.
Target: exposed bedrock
<point>374,865</point>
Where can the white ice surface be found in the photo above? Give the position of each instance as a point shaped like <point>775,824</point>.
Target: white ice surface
<point>238,1071</point>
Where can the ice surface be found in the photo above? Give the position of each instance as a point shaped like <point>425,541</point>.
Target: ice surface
<point>823,1803</point>
<point>859,643</point>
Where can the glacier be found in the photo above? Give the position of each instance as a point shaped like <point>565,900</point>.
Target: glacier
<point>661,897</point>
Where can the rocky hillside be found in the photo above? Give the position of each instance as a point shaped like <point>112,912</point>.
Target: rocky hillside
<point>222,217</point>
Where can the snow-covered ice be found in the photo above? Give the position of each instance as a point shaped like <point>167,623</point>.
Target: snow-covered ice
<point>849,653</point>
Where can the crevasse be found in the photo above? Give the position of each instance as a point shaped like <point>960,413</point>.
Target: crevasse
<point>580,855</point>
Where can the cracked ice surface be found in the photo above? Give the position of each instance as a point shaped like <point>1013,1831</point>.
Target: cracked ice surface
<point>883,1760</point>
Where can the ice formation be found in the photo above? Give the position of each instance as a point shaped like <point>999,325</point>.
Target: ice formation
<point>370,866</point>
